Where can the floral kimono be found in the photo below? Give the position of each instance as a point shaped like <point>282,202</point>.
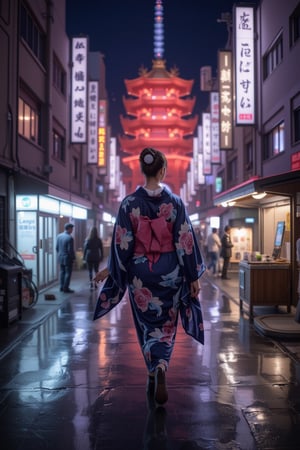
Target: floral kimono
<point>155,256</point>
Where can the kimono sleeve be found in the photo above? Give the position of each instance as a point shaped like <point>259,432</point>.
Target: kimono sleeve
<point>109,297</point>
<point>186,244</point>
<point>122,247</point>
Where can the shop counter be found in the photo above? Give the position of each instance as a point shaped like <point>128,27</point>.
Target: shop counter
<point>264,284</point>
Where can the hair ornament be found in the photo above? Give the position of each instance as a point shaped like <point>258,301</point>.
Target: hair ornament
<point>149,158</point>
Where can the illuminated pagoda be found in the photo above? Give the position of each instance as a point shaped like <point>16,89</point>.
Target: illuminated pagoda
<point>159,110</point>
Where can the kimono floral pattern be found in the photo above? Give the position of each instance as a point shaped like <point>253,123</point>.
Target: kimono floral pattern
<point>123,237</point>
<point>106,302</point>
<point>143,297</point>
<point>167,211</point>
<point>155,289</point>
<point>186,243</point>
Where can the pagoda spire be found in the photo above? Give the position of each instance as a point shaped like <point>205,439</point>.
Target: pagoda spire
<point>159,112</point>
<point>158,30</point>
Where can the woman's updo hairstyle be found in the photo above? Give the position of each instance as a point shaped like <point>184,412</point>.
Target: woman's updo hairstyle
<point>152,161</point>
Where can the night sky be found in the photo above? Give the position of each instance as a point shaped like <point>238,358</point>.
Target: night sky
<point>123,32</point>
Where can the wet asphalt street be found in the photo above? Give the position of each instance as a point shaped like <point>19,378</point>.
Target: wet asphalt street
<point>68,383</point>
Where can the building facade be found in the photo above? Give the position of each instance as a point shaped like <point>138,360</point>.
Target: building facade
<point>45,180</point>
<point>260,174</point>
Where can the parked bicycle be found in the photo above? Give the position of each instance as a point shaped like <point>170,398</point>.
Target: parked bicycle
<point>30,293</point>
<point>29,290</point>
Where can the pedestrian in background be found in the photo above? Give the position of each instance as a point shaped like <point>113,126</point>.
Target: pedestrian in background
<point>66,257</point>
<point>156,257</point>
<point>93,254</point>
<point>213,248</point>
<point>226,251</point>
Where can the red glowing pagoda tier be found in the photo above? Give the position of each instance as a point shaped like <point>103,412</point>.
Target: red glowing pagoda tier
<point>159,111</point>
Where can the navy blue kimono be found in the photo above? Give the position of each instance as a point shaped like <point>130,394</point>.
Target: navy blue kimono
<point>155,256</point>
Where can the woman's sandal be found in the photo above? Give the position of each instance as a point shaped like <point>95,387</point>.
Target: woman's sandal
<point>160,391</point>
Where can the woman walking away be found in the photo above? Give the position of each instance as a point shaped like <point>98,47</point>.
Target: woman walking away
<point>93,253</point>
<point>155,255</point>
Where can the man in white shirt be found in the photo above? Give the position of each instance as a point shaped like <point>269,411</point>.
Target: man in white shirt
<point>213,248</point>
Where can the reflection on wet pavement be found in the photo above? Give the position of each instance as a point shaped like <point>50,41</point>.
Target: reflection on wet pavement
<point>78,384</point>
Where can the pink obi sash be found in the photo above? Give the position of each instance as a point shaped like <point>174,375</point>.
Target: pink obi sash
<point>153,237</point>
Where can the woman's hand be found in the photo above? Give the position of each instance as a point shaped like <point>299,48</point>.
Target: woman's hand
<point>195,288</point>
<point>101,275</point>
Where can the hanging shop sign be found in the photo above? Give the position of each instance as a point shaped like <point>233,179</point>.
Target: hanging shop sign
<point>79,90</point>
<point>226,104</point>
<point>244,65</point>
<point>93,100</point>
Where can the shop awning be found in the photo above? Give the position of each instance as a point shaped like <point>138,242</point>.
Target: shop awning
<point>281,184</point>
<point>212,212</point>
<point>245,189</point>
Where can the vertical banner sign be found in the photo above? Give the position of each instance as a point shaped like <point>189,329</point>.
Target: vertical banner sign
<point>295,161</point>
<point>183,194</point>
<point>191,175</point>
<point>122,191</point>
<point>201,176</point>
<point>189,187</point>
<point>226,104</point>
<point>215,135</point>
<point>206,143</point>
<point>244,65</point>
<point>118,171</point>
<point>112,163</point>
<point>195,159</point>
<point>93,99</point>
<point>79,90</point>
<point>102,134</point>
<point>206,78</point>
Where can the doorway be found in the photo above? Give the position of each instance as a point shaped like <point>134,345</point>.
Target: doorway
<point>46,250</point>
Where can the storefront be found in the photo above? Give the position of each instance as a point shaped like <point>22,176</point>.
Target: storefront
<point>243,222</point>
<point>271,200</point>
<point>39,218</point>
